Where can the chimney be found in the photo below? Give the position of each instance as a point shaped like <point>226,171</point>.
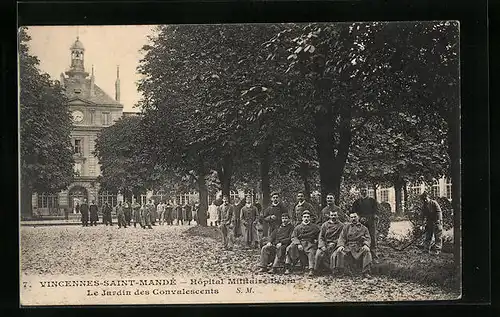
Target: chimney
<point>62,80</point>
<point>92,83</point>
<point>117,84</point>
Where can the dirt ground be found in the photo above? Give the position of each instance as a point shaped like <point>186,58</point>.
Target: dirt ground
<point>103,251</point>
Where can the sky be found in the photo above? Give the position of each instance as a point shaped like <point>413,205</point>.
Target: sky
<point>105,48</point>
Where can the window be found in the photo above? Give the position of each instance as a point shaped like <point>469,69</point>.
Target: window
<point>106,197</point>
<point>384,195</point>
<point>182,199</point>
<point>371,193</point>
<point>92,115</point>
<point>78,169</point>
<point>106,118</point>
<point>415,189</point>
<point>48,200</point>
<point>249,196</point>
<point>159,196</point>
<point>435,188</point>
<point>233,195</point>
<point>78,146</point>
<point>448,188</point>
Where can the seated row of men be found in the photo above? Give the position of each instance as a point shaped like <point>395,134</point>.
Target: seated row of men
<point>334,247</point>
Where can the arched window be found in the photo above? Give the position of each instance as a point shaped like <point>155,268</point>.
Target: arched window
<point>448,188</point>
<point>435,188</point>
<point>106,197</point>
<point>384,195</point>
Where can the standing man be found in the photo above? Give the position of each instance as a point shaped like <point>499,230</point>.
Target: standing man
<point>194,212</point>
<point>152,212</point>
<point>432,216</point>
<point>272,214</point>
<point>106,214</point>
<point>212,215</point>
<point>353,247</point>
<point>330,206</point>
<point>84,209</point>
<point>160,210</point>
<point>77,207</point>
<point>186,212</point>
<point>136,208</point>
<point>304,244</point>
<point>226,221</point>
<point>276,247</point>
<point>238,204</point>
<point>300,207</point>
<point>94,216</point>
<point>168,212</point>
<point>120,213</point>
<point>147,216</point>
<point>248,229</point>
<point>327,242</point>
<point>367,209</point>
<point>127,209</point>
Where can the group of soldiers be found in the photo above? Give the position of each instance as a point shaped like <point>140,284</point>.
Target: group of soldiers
<point>145,215</point>
<point>329,240</point>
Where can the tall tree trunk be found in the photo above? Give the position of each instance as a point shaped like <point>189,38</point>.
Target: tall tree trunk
<point>225,173</point>
<point>304,174</point>
<point>344,144</point>
<point>324,147</point>
<point>374,186</point>
<point>398,186</point>
<point>405,197</point>
<point>203,196</point>
<point>265,182</point>
<point>454,154</point>
<point>26,196</point>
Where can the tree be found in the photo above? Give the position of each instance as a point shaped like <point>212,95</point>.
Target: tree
<point>45,127</point>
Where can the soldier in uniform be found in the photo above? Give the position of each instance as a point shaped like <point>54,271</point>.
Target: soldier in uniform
<point>136,208</point>
<point>94,216</point>
<point>178,213</point>
<point>120,213</point>
<point>276,247</point>
<point>186,212</point>
<point>127,210</point>
<point>226,221</point>
<point>299,208</point>
<point>272,214</point>
<point>367,209</point>
<point>327,241</point>
<point>248,229</point>
<point>146,215</point>
<point>433,219</point>
<point>238,204</point>
<point>330,206</point>
<point>169,213</point>
<point>106,214</point>
<point>160,210</point>
<point>152,212</point>
<point>353,247</point>
<point>304,244</point>
<point>84,209</point>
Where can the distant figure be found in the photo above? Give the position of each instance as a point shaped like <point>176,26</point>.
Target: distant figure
<point>120,212</point>
<point>160,210</point>
<point>169,213</point>
<point>194,212</point>
<point>94,216</point>
<point>433,218</point>
<point>84,209</point>
<point>106,214</point>
<point>248,229</point>
<point>136,208</point>
<point>146,215</point>
<point>152,212</point>
<point>178,213</point>
<point>66,213</point>
<point>226,220</point>
<point>127,209</point>
<point>77,207</point>
<point>238,204</point>
<point>212,215</point>
<point>186,213</point>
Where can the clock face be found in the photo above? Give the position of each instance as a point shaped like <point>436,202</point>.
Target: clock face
<point>77,116</point>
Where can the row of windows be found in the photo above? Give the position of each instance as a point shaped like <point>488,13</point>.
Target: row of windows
<point>105,117</point>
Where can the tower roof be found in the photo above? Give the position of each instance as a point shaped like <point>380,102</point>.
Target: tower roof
<point>77,44</point>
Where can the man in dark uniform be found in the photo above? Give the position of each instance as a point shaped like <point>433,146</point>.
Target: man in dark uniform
<point>330,206</point>
<point>169,213</point>
<point>353,248</point>
<point>226,221</point>
<point>238,205</point>
<point>84,209</point>
<point>127,210</point>
<point>94,216</point>
<point>136,208</point>
<point>433,219</point>
<point>367,209</point>
<point>120,212</point>
<point>304,244</point>
<point>276,247</point>
<point>272,214</point>
<point>327,242</point>
<point>106,214</point>
<point>299,208</point>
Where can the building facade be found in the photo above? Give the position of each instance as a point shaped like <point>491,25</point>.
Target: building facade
<point>92,109</point>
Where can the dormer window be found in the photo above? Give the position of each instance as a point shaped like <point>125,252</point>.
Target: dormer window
<point>78,90</point>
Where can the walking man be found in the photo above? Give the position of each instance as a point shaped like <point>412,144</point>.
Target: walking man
<point>84,209</point>
<point>272,214</point>
<point>353,248</point>
<point>304,244</point>
<point>300,207</point>
<point>226,220</point>
<point>120,212</point>
<point>94,216</point>
<point>432,216</point>
<point>327,242</point>
<point>367,209</point>
<point>276,247</point>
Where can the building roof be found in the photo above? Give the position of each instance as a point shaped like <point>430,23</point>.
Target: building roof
<point>77,88</point>
<point>77,45</point>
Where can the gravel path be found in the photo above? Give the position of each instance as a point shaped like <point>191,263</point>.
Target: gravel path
<point>108,252</point>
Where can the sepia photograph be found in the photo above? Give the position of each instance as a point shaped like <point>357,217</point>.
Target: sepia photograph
<point>239,163</point>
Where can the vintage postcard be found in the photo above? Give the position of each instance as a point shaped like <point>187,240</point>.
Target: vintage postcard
<point>239,163</point>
